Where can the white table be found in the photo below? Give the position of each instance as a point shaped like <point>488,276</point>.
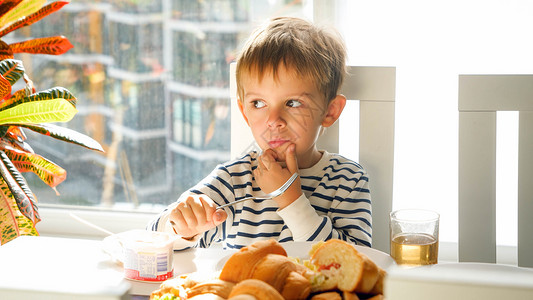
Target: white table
<point>66,268</point>
<point>57,268</point>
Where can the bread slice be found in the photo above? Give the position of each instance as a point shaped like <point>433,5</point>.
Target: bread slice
<point>342,267</point>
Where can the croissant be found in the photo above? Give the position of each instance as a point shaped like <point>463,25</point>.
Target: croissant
<point>256,288</point>
<point>241,264</point>
<point>327,296</point>
<point>217,287</point>
<point>207,296</point>
<point>266,262</point>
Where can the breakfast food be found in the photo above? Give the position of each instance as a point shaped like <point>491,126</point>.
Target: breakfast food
<point>217,287</point>
<point>241,264</point>
<point>267,261</point>
<point>257,288</point>
<point>327,296</point>
<point>336,270</point>
<point>343,267</point>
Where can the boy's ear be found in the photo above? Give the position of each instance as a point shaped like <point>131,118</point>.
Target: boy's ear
<point>241,108</point>
<point>335,108</point>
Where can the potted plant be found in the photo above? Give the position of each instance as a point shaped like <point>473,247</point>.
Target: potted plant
<point>29,109</point>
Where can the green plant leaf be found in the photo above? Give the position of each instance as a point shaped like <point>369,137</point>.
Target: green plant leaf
<point>26,202</point>
<point>65,134</point>
<point>35,17</point>
<point>12,222</point>
<point>12,70</point>
<point>55,45</point>
<point>23,9</point>
<point>56,110</point>
<point>20,97</point>
<point>49,172</point>
<point>49,94</point>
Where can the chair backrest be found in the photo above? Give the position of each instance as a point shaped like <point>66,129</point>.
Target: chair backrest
<point>375,88</point>
<point>480,97</point>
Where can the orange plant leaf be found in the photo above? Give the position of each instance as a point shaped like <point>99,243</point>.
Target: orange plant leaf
<point>55,45</point>
<point>5,87</point>
<point>18,95</point>
<point>5,51</point>
<point>48,171</point>
<point>16,133</point>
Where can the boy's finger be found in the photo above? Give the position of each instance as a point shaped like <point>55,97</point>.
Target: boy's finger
<point>188,216</point>
<point>198,208</point>
<point>178,222</point>
<point>271,153</point>
<point>267,159</point>
<point>290,159</point>
<point>219,216</point>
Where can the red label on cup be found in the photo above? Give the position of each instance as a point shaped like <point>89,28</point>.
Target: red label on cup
<point>135,275</point>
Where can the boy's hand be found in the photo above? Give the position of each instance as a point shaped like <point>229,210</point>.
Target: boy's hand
<point>195,215</point>
<point>270,175</point>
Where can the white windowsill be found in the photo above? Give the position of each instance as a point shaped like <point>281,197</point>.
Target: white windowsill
<point>59,222</point>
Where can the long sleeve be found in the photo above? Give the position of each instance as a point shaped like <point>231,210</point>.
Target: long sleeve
<point>339,207</point>
<point>303,220</point>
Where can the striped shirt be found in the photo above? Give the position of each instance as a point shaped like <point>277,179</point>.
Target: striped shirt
<point>335,204</point>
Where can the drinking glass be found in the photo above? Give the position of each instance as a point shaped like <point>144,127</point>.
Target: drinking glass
<point>414,236</point>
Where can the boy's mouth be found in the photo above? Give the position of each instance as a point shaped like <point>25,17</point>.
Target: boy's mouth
<point>276,143</point>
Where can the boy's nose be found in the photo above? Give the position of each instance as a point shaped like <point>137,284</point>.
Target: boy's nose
<point>275,119</point>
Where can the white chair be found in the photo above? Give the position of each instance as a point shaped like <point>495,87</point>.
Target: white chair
<point>375,88</point>
<point>480,96</point>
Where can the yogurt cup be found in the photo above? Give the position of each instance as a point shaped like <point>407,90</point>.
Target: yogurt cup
<point>147,255</point>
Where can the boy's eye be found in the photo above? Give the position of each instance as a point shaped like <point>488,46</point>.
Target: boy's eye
<point>294,103</point>
<point>258,103</point>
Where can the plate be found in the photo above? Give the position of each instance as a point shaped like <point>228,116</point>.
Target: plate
<point>301,250</point>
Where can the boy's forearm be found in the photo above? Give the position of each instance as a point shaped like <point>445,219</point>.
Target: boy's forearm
<point>302,219</point>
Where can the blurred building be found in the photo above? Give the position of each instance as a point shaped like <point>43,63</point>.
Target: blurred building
<point>151,78</point>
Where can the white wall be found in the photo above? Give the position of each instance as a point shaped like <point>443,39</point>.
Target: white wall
<point>430,43</point>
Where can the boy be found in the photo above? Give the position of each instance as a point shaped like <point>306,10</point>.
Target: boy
<point>288,77</point>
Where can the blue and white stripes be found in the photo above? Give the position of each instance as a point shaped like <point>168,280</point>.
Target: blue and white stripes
<point>336,204</point>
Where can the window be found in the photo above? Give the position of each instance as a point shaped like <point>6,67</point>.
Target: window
<point>430,44</point>
<point>152,82</point>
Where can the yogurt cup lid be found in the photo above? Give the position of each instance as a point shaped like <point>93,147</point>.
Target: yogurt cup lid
<point>137,240</point>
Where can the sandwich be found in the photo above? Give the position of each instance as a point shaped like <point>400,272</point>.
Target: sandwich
<point>340,266</point>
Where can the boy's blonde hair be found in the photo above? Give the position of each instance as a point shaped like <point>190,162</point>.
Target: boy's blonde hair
<point>312,52</point>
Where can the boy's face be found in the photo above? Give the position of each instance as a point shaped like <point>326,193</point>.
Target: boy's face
<point>285,110</point>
